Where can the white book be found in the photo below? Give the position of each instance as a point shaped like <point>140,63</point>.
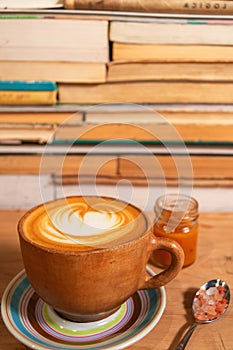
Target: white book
<point>171,33</point>
<point>30,4</point>
<point>53,39</point>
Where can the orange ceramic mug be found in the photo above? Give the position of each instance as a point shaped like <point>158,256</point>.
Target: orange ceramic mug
<point>85,256</point>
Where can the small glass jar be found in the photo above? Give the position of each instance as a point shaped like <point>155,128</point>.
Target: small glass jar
<point>176,217</point>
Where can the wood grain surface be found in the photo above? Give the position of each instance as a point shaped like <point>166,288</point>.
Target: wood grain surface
<point>215,260</point>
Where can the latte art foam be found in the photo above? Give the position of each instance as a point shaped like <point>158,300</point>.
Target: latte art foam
<point>78,220</point>
<point>84,223</point>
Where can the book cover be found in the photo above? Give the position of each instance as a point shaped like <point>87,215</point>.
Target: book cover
<point>21,85</point>
<point>174,6</point>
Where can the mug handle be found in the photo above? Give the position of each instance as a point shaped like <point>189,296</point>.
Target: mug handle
<point>172,270</point>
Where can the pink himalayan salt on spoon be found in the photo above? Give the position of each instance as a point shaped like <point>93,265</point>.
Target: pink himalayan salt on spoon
<point>209,304</point>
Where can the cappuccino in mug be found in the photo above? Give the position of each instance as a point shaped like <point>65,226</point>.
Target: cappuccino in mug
<point>85,256</point>
<point>84,223</point>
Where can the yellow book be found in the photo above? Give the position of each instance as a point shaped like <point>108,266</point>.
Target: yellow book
<point>204,167</point>
<point>28,97</point>
<point>147,131</point>
<point>147,92</point>
<point>149,71</point>
<point>60,71</point>
<point>172,53</point>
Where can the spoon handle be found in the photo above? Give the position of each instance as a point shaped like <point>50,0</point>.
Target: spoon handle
<point>182,344</point>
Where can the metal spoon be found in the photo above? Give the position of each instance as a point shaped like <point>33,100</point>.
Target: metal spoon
<point>209,304</point>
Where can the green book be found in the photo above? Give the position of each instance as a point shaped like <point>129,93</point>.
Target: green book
<point>21,85</point>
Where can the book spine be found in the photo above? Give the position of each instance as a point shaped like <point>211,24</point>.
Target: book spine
<point>21,85</point>
<point>219,7</point>
<point>10,98</point>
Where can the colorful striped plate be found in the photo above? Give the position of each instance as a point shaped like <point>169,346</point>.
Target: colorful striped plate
<point>38,326</point>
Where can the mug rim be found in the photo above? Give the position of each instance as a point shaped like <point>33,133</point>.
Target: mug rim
<point>79,252</point>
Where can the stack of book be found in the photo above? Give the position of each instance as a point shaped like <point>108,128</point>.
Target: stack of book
<point>185,65</point>
<point>163,61</point>
<point>38,47</point>
<point>180,66</point>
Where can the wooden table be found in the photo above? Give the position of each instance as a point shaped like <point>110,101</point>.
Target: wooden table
<point>215,260</point>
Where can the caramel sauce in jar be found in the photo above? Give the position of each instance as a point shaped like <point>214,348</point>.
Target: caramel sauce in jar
<point>176,217</point>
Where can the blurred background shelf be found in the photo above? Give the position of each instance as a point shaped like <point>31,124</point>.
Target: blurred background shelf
<point>127,108</point>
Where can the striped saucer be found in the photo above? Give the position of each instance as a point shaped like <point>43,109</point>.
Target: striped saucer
<point>38,326</point>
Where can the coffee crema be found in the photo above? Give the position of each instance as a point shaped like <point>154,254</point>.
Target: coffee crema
<point>83,223</point>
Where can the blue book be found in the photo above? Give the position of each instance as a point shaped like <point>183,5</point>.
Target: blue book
<point>21,85</point>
